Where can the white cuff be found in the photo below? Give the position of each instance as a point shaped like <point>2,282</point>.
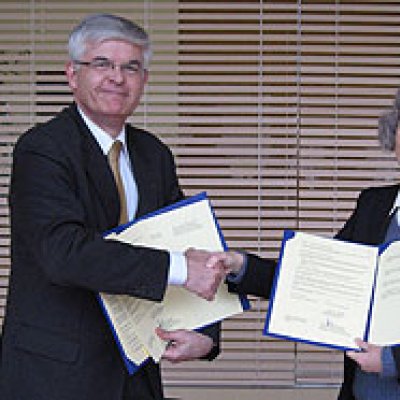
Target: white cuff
<point>177,268</point>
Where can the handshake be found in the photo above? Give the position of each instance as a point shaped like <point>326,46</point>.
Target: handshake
<point>206,270</point>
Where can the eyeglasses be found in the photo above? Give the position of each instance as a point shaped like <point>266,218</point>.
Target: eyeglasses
<point>105,65</point>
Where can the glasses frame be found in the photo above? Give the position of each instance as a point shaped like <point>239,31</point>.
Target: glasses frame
<point>105,65</point>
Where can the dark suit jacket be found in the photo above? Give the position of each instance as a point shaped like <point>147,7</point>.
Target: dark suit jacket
<point>368,225</point>
<point>258,278</point>
<point>56,342</point>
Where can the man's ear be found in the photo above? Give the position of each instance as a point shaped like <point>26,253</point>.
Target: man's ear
<point>145,75</point>
<point>70,72</point>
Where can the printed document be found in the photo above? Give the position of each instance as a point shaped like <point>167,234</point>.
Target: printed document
<point>329,292</point>
<point>135,320</point>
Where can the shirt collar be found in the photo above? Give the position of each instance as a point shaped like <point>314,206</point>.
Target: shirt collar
<point>396,203</point>
<point>104,140</point>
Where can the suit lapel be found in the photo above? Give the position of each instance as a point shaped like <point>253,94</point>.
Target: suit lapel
<point>98,171</point>
<point>384,204</point>
<point>100,176</point>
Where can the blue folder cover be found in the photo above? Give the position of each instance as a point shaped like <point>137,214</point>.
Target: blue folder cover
<point>130,365</point>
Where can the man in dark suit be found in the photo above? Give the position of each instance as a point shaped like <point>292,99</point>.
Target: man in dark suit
<point>56,342</point>
<point>374,372</point>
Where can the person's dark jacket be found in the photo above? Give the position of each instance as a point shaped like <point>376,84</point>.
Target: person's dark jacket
<point>367,224</point>
<point>56,341</point>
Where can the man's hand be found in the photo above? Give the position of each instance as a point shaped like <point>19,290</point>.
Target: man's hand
<point>201,280</point>
<point>369,359</point>
<point>232,261</point>
<point>184,345</point>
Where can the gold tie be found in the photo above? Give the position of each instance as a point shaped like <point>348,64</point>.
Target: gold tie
<point>113,159</point>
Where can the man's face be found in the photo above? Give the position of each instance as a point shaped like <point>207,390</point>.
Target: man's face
<point>108,95</point>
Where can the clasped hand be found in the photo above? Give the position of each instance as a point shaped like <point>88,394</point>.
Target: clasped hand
<point>206,270</point>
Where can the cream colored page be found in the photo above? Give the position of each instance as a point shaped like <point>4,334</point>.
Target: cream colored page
<point>177,230</point>
<point>385,326</point>
<point>127,313</point>
<point>323,291</point>
<point>182,310</point>
<point>120,312</point>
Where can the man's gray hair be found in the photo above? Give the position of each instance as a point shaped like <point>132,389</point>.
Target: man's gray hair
<point>389,124</point>
<point>97,28</point>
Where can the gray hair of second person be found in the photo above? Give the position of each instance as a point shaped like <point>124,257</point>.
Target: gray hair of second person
<point>388,125</point>
<point>98,28</point>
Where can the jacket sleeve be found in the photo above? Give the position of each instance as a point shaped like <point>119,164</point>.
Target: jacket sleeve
<point>214,332</point>
<point>258,278</point>
<point>55,215</point>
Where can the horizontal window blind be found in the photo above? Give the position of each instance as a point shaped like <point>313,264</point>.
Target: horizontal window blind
<point>271,107</point>
<point>278,105</point>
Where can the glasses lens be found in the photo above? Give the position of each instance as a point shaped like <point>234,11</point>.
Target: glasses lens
<point>102,64</point>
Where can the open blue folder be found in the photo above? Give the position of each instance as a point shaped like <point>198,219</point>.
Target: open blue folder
<point>327,292</point>
<point>130,365</point>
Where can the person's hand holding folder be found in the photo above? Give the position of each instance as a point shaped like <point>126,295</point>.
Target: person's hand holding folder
<point>369,358</point>
<point>184,345</point>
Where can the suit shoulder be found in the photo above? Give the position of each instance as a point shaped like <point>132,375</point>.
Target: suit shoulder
<point>378,192</point>
<point>377,198</point>
<point>55,131</point>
